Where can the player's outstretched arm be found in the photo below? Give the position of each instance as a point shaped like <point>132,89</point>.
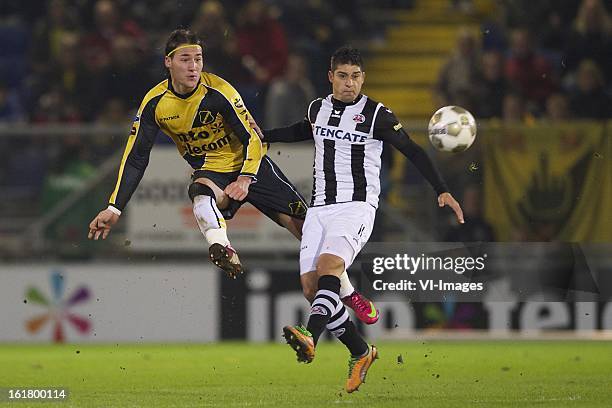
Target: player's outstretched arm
<point>101,225</point>
<point>132,168</point>
<point>448,199</point>
<point>297,132</point>
<point>388,129</point>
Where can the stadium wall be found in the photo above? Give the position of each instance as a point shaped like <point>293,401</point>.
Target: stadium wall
<point>190,302</point>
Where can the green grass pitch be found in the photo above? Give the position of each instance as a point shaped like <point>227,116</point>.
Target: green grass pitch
<point>428,374</point>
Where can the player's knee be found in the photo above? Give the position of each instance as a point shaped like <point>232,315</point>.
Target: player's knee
<point>329,264</point>
<point>195,189</point>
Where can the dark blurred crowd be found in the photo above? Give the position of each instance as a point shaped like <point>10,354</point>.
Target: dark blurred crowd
<point>93,60</point>
<point>540,59</point>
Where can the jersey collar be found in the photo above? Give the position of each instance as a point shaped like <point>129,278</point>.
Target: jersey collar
<point>336,102</point>
<point>182,96</point>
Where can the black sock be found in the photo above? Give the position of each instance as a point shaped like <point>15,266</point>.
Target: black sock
<point>324,305</point>
<point>341,326</point>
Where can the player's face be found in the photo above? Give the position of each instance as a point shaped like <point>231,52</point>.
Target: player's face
<point>185,66</point>
<point>347,81</point>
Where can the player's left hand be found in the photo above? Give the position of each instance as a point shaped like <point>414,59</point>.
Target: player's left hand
<point>448,199</point>
<point>239,189</point>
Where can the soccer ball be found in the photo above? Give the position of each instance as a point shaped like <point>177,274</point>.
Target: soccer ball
<point>452,129</point>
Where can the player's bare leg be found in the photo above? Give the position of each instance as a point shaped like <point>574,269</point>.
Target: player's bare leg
<point>292,224</point>
<point>362,306</point>
<point>327,312</point>
<point>207,197</point>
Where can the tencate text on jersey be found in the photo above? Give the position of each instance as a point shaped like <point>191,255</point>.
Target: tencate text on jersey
<point>339,134</point>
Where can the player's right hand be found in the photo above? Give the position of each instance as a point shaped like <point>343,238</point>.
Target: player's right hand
<point>101,224</point>
<point>239,189</point>
<point>256,128</point>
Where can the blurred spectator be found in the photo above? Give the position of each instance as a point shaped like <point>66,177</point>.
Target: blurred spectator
<point>113,113</point>
<point>476,228</point>
<point>11,109</point>
<point>590,100</point>
<point>514,109</point>
<point>125,77</point>
<point>220,46</point>
<point>557,108</point>
<point>211,25</point>
<point>263,48</point>
<point>527,70</point>
<point>546,19</point>
<point>459,77</point>
<point>108,24</point>
<point>591,37</point>
<point>67,77</point>
<point>48,34</point>
<point>491,88</point>
<point>261,42</point>
<point>315,30</point>
<point>288,97</point>
<point>54,107</point>
<point>553,32</point>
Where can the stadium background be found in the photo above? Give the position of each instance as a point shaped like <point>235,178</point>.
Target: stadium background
<point>536,75</point>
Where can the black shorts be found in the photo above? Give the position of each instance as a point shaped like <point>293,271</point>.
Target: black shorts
<point>273,193</point>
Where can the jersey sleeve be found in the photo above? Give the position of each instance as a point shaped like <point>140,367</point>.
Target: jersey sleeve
<point>295,133</point>
<point>237,116</point>
<point>136,155</point>
<point>389,129</point>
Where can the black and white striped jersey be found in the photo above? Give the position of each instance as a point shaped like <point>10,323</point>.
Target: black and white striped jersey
<point>347,156</point>
<point>348,146</point>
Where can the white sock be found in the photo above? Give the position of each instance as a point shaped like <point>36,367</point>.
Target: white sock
<point>217,236</point>
<point>346,287</point>
<point>209,219</point>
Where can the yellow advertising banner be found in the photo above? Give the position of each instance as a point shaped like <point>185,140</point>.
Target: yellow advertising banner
<point>547,182</point>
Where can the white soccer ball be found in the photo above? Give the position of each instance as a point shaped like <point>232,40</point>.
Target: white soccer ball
<point>452,129</point>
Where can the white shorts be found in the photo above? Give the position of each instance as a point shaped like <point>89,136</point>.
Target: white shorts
<point>337,229</point>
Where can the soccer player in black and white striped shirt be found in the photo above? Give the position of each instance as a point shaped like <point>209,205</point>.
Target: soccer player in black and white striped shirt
<point>348,129</point>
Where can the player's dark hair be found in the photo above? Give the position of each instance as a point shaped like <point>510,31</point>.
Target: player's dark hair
<point>181,36</point>
<point>346,55</point>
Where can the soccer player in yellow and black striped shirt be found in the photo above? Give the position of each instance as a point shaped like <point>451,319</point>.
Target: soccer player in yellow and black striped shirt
<point>207,120</point>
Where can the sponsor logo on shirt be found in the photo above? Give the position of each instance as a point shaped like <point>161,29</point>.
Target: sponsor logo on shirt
<point>206,117</point>
<point>172,117</point>
<point>334,133</point>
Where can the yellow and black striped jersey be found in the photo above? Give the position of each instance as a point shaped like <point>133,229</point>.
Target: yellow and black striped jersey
<point>209,127</point>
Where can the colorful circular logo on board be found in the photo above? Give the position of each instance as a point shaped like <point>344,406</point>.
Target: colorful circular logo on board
<point>58,309</point>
